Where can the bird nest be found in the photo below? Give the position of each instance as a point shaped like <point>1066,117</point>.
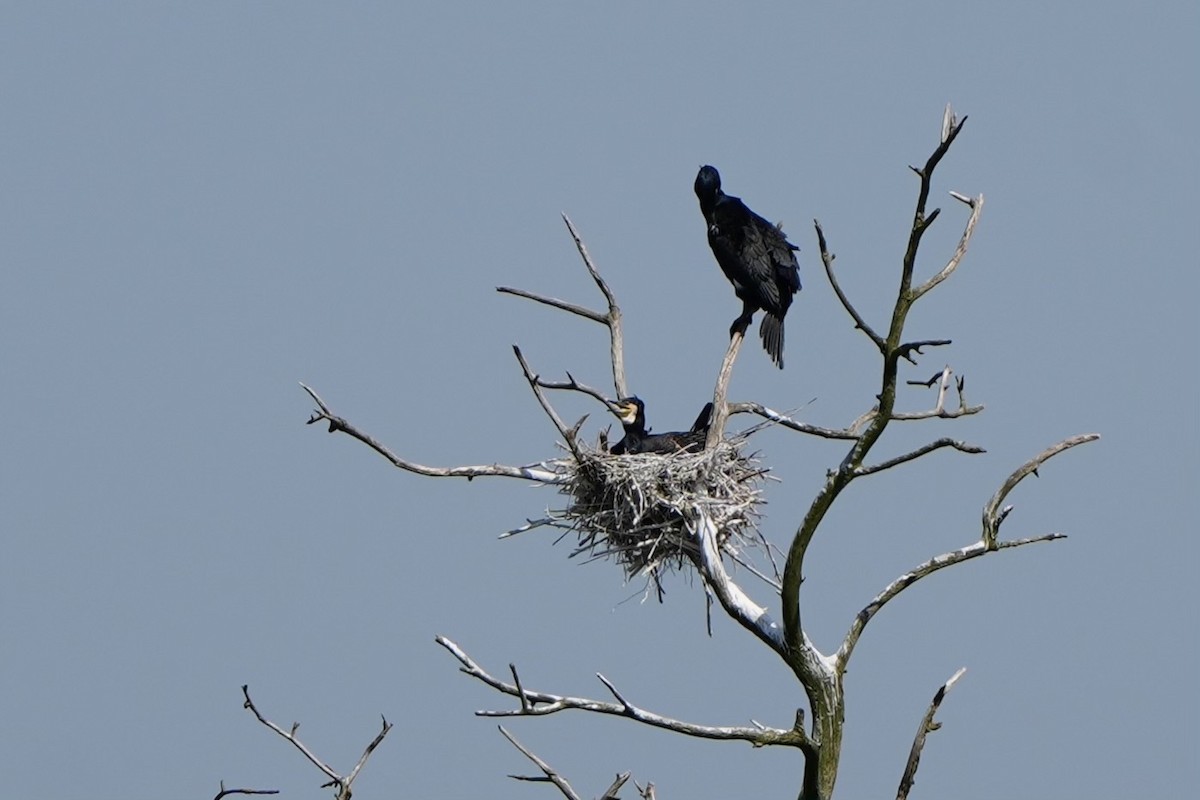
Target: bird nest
<point>642,510</point>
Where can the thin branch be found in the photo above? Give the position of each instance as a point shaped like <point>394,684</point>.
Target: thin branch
<point>291,737</point>
<point>383,731</point>
<point>611,319</point>
<point>541,703</point>
<point>927,726</point>
<point>993,515</point>
<point>573,385</point>
<point>536,473</point>
<point>907,349</point>
<point>616,342</point>
<point>962,447</point>
<point>611,792</point>
<point>976,205</point>
<point>227,792</point>
<point>827,259</point>
<point>787,422</point>
<point>343,784</point>
<point>939,410</point>
<point>569,435</point>
<point>974,550</point>
<point>548,772</point>
<point>962,411</point>
<point>720,415</point>
<point>554,302</point>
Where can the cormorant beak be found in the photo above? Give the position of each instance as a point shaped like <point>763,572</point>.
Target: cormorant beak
<point>626,412</point>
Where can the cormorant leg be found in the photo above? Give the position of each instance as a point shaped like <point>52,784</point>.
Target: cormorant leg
<point>743,322</point>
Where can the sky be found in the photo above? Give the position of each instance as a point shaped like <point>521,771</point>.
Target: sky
<point>202,205</point>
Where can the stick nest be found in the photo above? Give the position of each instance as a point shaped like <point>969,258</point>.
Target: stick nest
<point>641,509</point>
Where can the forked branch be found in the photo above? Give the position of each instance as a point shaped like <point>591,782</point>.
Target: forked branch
<point>611,318</point>
<point>223,792</point>
<point>541,473</point>
<point>993,514</point>
<point>979,548</point>
<point>551,775</point>
<point>342,784</point>
<point>532,703</point>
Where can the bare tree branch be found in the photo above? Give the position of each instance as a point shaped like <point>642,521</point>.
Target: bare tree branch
<point>616,342</point>
<point>572,385</point>
<point>227,792</point>
<point>569,435</point>
<point>962,447</point>
<point>554,302</point>
<point>907,349</point>
<point>993,515</point>
<point>611,792</point>
<point>540,703</point>
<point>538,472</point>
<point>716,428</point>
<point>827,259</point>
<point>976,205</point>
<point>939,410</point>
<point>611,319</point>
<point>342,784</point>
<point>737,604</point>
<point>927,726</point>
<point>548,772</point>
<point>787,422</point>
<point>974,550</point>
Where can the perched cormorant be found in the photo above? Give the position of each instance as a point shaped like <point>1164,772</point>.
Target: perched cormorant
<point>632,413</point>
<point>756,258</point>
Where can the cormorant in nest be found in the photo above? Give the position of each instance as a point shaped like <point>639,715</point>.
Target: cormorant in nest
<point>632,413</point>
<point>756,258</point>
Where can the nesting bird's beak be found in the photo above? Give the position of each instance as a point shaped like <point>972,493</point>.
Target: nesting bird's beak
<point>626,412</point>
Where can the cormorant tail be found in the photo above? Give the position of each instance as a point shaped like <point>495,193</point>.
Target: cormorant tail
<point>702,421</point>
<point>771,331</point>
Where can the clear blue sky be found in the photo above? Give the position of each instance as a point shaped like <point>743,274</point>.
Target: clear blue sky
<point>201,205</point>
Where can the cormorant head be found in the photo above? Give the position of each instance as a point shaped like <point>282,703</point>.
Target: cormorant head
<point>631,411</point>
<point>708,183</point>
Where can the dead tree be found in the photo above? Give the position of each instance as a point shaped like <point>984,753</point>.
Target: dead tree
<point>652,513</point>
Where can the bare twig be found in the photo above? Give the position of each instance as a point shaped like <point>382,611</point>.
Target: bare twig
<point>569,435</point>
<point>961,411</point>
<point>907,349</point>
<point>976,205</point>
<point>554,302</point>
<point>927,726</point>
<point>383,731</point>
<point>942,379</point>
<point>548,772</point>
<point>993,515</point>
<point>787,422</point>
<point>342,784</point>
<point>962,447</point>
<point>616,343</point>
<point>610,319</point>
<point>538,473</point>
<point>227,792</point>
<point>572,385</point>
<point>827,259</point>
<point>541,703</point>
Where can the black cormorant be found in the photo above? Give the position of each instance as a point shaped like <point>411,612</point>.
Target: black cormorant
<point>632,413</point>
<point>756,258</point>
